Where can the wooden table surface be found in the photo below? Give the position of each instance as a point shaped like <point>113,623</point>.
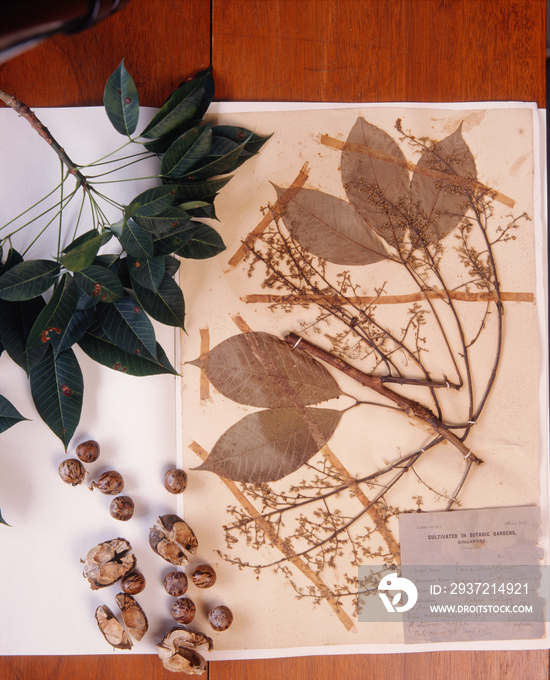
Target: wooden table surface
<point>305,50</point>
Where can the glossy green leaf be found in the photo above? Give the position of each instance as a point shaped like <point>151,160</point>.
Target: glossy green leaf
<point>121,101</point>
<point>74,330</point>
<point>168,243</point>
<point>189,102</point>
<point>9,415</point>
<point>205,242</point>
<point>99,283</point>
<point>217,165</point>
<point>127,325</point>
<point>253,143</point>
<point>83,250</point>
<point>57,389</point>
<point>168,219</point>
<point>56,314</point>
<point>189,191</point>
<point>3,521</point>
<point>171,264</point>
<point>28,279</point>
<point>166,304</point>
<point>186,152</point>
<point>151,202</point>
<point>147,272</point>
<point>99,347</point>
<point>16,321</point>
<point>135,240</point>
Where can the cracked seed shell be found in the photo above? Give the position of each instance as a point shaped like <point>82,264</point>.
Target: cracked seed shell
<point>108,562</point>
<point>133,615</point>
<point>111,628</point>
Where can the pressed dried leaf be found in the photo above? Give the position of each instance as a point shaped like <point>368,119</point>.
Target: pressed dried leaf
<point>442,201</point>
<point>268,445</point>
<point>259,369</point>
<point>376,179</point>
<point>328,227</point>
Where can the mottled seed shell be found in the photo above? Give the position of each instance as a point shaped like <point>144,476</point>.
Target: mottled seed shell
<point>183,610</point>
<point>88,452</point>
<point>220,618</point>
<point>133,583</point>
<point>175,583</point>
<point>122,508</point>
<point>109,483</point>
<point>204,576</point>
<point>175,481</point>
<point>72,471</point>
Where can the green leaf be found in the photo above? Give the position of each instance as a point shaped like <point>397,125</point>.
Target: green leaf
<point>189,191</point>
<point>28,279</point>
<point>121,101</point>
<point>168,219</point>
<point>99,283</point>
<point>187,151</point>
<point>166,304</point>
<point>74,330</point>
<point>253,143</point>
<point>146,272</point>
<point>205,242</point>
<point>217,165</point>
<point>56,314</point>
<point>127,325</point>
<point>98,347</point>
<point>151,202</point>
<point>16,321</point>
<point>57,388</point>
<point>9,415</point>
<point>135,240</point>
<point>189,102</point>
<point>170,242</point>
<point>83,250</point>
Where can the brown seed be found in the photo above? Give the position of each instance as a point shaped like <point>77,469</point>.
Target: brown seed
<point>220,618</point>
<point>122,508</point>
<point>72,471</point>
<point>175,583</point>
<point>204,576</point>
<point>183,610</point>
<point>175,481</point>
<point>133,583</point>
<point>88,452</point>
<point>109,483</point>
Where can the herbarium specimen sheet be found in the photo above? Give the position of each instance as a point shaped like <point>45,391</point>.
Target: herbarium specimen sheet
<point>369,345</point>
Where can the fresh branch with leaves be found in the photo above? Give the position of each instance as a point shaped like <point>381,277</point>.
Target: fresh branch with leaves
<point>104,302</point>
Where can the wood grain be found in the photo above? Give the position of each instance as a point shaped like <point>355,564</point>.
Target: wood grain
<point>379,51</point>
<point>310,50</point>
<point>152,36</point>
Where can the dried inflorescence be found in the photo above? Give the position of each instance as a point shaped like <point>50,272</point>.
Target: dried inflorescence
<point>171,538</point>
<point>178,651</point>
<point>108,562</point>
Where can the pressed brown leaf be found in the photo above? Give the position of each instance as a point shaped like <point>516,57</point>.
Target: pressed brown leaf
<point>328,227</point>
<point>268,445</point>
<point>438,194</point>
<point>259,369</point>
<point>376,179</point>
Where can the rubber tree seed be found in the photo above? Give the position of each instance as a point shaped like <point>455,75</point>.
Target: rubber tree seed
<point>204,576</point>
<point>133,583</point>
<point>109,483</point>
<point>122,508</point>
<point>175,583</point>
<point>72,471</point>
<point>220,618</point>
<point>183,610</point>
<point>88,452</point>
<point>175,481</point>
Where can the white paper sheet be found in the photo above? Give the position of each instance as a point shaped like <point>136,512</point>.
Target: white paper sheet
<point>54,525</point>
